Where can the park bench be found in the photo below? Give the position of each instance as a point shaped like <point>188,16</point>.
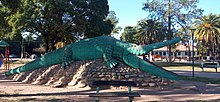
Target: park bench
<point>128,94</point>
<point>209,65</point>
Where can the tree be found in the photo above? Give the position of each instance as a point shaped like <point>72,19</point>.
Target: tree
<point>145,32</point>
<point>59,20</point>
<point>114,20</point>
<point>4,27</point>
<point>150,31</point>
<point>129,34</point>
<point>173,13</point>
<point>208,30</point>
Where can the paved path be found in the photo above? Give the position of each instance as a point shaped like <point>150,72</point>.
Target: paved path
<point>181,91</point>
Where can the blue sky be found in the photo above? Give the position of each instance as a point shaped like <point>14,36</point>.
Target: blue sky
<point>130,11</point>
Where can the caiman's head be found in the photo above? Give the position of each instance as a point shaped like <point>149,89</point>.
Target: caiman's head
<point>141,50</point>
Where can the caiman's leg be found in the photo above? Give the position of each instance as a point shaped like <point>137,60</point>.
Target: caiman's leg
<point>66,57</point>
<point>136,62</point>
<point>108,58</point>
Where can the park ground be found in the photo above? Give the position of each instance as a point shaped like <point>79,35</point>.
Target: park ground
<point>181,91</point>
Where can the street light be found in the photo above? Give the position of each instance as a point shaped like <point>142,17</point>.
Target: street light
<point>22,48</point>
<point>193,64</point>
<point>23,36</point>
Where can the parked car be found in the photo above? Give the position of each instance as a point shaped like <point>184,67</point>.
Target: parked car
<point>33,56</point>
<point>13,56</point>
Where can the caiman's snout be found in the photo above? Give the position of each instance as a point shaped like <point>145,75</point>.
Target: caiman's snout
<point>147,48</point>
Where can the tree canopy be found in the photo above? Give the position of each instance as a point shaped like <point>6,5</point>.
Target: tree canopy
<point>150,31</point>
<point>129,34</point>
<point>57,20</point>
<point>173,13</point>
<point>147,31</point>
<point>208,28</point>
<point>112,17</point>
<point>208,32</point>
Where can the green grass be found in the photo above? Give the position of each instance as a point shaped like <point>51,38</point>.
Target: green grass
<point>182,66</point>
<point>188,67</point>
<point>175,64</point>
<point>202,79</point>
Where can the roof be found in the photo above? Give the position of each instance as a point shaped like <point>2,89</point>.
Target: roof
<point>180,47</point>
<point>3,43</point>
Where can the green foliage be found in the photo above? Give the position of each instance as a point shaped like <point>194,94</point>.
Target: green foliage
<point>129,34</point>
<point>174,14</point>
<point>150,31</point>
<point>112,17</point>
<point>146,32</point>
<point>201,79</point>
<point>4,27</point>
<point>59,20</point>
<point>208,31</point>
<point>208,28</point>
<point>181,12</point>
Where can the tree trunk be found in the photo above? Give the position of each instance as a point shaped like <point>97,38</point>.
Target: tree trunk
<point>213,48</point>
<point>46,47</point>
<point>202,53</point>
<point>169,32</point>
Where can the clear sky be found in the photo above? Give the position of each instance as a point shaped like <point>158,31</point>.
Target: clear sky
<point>130,11</point>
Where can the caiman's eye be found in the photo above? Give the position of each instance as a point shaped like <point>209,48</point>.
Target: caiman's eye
<point>133,45</point>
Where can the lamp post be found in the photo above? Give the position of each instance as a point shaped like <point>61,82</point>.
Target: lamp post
<point>213,48</point>
<point>193,64</point>
<point>24,35</point>
<point>22,48</point>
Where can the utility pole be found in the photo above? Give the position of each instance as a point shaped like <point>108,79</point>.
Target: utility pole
<point>169,31</point>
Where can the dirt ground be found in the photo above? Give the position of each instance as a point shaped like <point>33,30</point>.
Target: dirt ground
<point>182,91</point>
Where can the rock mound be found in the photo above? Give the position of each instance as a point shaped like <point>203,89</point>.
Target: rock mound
<point>82,73</point>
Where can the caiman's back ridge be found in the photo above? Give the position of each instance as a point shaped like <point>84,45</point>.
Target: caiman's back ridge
<point>108,48</point>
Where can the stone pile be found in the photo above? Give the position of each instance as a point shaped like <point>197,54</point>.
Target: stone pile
<point>82,73</point>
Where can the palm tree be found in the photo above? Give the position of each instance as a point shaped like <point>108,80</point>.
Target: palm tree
<point>150,31</point>
<point>207,29</point>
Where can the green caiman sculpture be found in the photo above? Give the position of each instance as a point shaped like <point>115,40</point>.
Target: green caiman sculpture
<point>108,48</point>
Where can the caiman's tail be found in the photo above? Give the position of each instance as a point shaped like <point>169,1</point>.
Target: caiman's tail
<point>51,58</point>
<point>136,62</point>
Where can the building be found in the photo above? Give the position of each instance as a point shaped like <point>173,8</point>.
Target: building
<point>181,52</point>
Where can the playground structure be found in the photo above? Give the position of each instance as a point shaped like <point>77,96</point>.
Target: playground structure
<point>5,61</point>
<point>108,48</point>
